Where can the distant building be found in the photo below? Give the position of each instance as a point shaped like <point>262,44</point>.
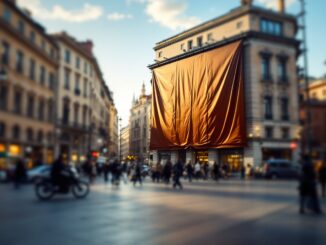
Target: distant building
<point>29,62</point>
<point>270,52</point>
<point>317,108</point>
<point>125,143</point>
<point>139,124</point>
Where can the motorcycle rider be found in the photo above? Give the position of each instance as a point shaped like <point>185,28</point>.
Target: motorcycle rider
<point>59,174</point>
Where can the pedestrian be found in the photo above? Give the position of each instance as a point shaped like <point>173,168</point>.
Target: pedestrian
<point>216,171</point>
<point>88,169</point>
<point>322,178</point>
<point>243,171</point>
<point>177,173</point>
<point>307,187</point>
<point>158,172</point>
<point>154,172</point>
<point>137,173</point>
<point>197,170</point>
<point>167,172</point>
<point>206,170</point>
<point>106,170</point>
<point>20,173</point>
<point>190,170</point>
<point>124,170</point>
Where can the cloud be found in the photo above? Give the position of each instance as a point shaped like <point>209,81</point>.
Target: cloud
<point>119,16</point>
<point>170,14</point>
<point>274,3</point>
<point>129,2</point>
<point>87,13</point>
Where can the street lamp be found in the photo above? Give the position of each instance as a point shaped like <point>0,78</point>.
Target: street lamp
<point>120,156</point>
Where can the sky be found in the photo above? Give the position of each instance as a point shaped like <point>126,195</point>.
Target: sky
<point>124,33</point>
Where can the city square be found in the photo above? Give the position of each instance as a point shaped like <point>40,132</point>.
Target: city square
<point>228,212</point>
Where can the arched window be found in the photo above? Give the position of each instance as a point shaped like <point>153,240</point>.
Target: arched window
<point>40,136</point>
<point>16,132</point>
<point>29,134</point>
<point>49,137</point>
<point>65,111</point>
<point>41,110</point>
<point>2,129</point>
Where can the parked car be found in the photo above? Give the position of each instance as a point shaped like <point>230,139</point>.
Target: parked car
<point>38,172</point>
<point>280,168</point>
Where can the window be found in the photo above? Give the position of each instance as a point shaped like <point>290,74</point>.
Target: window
<point>282,73</point>
<point>6,53</point>
<point>77,84</point>
<point>269,131</point>
<point>67,56</point>
<point>77,62</point>
<point>3,97</point>
<point>85,87</point>
<point>30,106</point>
<point>182,47</point>
<point>41,110</point>
<point>76,113</point>
<point>239,24</point>
<point>30,134</point>
<point>67,79</point>
<point>40,136</point>
<point>20,62</point>
<point>200,41</point>
<point>17,101</point>
<point>42,75</point>
<point>32,36</point>
<point>85,67</point>
<point>265,68</point>
<point>50,110</point>
<point>160,54</point>
<point>66,111</point>
<point>21,27</point>
<point>285,133</point>
<point>43,45</point>
<point>84,116</point>
<point>16,132</point>
<point>271,27</point>
<point>2,130</point>
<point>268,107</point>
<point>7,15</point>
<point>285,109</point>
<point>210,37</point>
<point>49,137</point>
<point>51,81</point>
<point>190,45</point>
<point>32,69</point>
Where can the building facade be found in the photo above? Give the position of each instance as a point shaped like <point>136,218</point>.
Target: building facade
<point>84,103</point>
<point>139,127</point>
<point>271,91</point>
<point>27,87</point>
<point>124,143</point>
<point>317,108</point>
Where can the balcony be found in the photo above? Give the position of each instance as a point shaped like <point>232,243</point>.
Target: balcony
<point>267,78</point>
<point>268,116</point>
<point>283,80</point>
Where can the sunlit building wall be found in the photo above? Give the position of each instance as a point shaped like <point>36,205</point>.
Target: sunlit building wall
<point>27,90</point>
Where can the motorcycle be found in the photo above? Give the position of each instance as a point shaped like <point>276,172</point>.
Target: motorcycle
<point>45,189</point>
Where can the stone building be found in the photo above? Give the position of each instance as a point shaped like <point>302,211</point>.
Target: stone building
<point>139,126</point>
<point>29,62</point>
<point>83,100</point>
<point>270,52</point>
<point>125,143</point>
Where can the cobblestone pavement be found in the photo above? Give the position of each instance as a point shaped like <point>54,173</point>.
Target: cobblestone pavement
<point>228,212</point>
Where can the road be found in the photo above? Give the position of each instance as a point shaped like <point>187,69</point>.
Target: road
<point>228,212</point>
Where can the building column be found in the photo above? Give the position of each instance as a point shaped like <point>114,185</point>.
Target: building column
<point>253,154</point>
<point>174,156</point>
<point>212,156</point>
<point>190,156</point>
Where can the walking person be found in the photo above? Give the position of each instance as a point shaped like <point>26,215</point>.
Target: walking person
<point>322,178</point>
<point>20,173</point>
<point>190,170</point>
<point>206,170</point>
<point>177,171</point>
<point>197,170</point>
<point>167,172</point>
<point>106,170</point>
<point>307,187</point>
<point>216,171</point>
<point>158,172</point>
<point>137,174</point>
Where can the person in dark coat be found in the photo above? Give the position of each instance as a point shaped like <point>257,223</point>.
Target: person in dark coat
<point>307,187</point>
<point>106,170</point>
<point>206,170</point>
<point>137,174</point>
<point>58,178</point>
<point>20,173</point>
<point>216,171</point>
<point>177,171</point>
<point>190,170</point>
<point>322,178</point>
<point>167,171</point>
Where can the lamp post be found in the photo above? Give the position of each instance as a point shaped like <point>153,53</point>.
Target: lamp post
<point>120,156</point>
<point>308,135</point>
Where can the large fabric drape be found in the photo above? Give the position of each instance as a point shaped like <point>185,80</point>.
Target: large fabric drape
<point>198,102</point>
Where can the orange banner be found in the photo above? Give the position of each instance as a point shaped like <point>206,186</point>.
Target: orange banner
<point>198,102</point>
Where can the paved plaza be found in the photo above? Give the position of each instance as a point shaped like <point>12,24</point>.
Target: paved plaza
<point>228,212</point>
